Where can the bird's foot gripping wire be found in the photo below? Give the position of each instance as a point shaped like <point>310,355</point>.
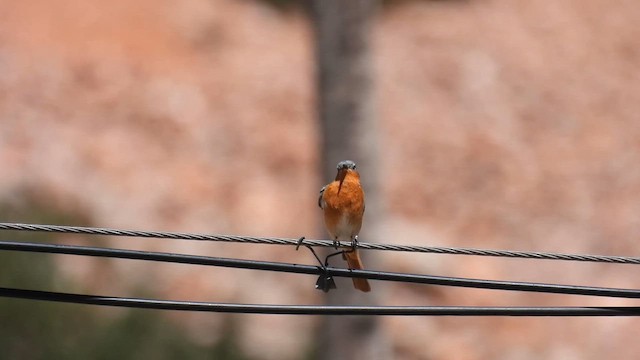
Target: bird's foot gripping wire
<point>325,281</point>
<point>354,247</point>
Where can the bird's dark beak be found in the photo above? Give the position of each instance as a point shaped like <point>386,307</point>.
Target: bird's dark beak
<point>342,173</point>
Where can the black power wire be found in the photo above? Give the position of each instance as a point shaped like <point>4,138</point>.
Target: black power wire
<point>316,309</point>
<point>317,270</point>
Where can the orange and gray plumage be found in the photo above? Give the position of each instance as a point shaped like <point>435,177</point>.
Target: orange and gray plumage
<point>343,204</point>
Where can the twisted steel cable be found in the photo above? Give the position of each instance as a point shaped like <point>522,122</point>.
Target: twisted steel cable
<point>321,243</point>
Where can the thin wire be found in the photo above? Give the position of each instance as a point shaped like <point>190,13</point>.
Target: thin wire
<point>316,270</point>
<point>321,243</point>
<point>315,309</point>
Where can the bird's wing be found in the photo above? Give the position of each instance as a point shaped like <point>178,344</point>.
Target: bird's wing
<point>320,198</point>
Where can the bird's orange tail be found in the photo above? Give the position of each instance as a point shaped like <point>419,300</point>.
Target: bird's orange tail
<point>354,262</point>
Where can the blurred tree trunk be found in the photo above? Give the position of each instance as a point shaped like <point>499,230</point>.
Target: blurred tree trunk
<point>343,31</point>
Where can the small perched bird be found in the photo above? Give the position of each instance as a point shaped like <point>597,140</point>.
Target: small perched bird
<point>343,203</point>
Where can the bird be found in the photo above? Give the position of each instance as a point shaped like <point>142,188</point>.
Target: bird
<point>342,202</point>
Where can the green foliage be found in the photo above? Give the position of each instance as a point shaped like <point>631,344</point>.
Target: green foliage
<point>46,330</point>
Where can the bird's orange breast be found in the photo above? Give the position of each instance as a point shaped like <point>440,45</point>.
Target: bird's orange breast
<point>344,207</point>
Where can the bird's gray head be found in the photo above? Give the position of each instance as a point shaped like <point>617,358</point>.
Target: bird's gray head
<point>346,164</point>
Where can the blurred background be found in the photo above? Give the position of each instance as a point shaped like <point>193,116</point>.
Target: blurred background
<point>497,124</point>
